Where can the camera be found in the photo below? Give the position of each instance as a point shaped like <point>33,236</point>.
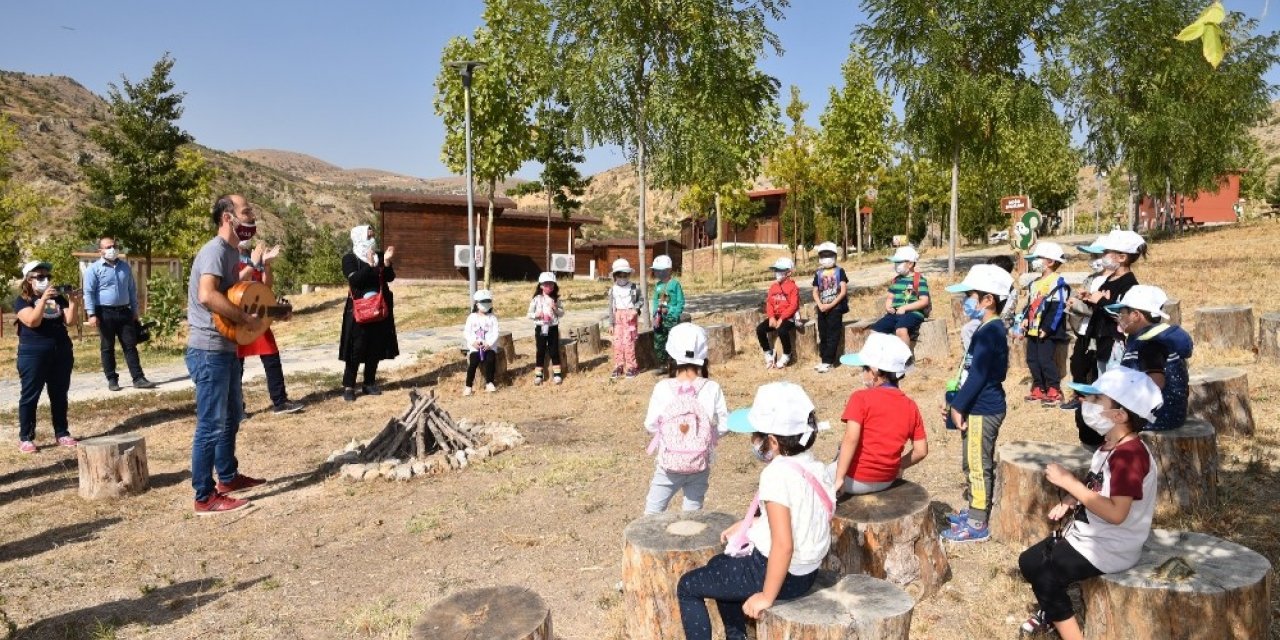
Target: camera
<point>65,289</point>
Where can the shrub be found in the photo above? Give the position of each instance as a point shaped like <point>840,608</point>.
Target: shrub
<point>166,307</point>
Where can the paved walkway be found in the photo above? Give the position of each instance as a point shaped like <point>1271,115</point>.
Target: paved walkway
<point>324,358</point>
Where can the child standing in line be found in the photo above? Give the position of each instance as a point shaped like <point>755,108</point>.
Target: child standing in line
<point>479,334</point>
<point>687,415</point>
<point>908,303</point>
<point>879,420</point>
<point>978,408</point>
<point>781,304</point>
<point>830,295</point>
<point>774,553</point>
<point>971,310</point>
<point>668,306</point>
<point>545,309</point>
<point>1084,360</point>
<point>1108,516</point>
<point>624,311</point>
<point>1044,322</point>
<point>1157,349</point>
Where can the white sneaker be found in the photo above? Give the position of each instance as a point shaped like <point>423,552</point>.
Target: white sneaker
<point>818,367</point>
<point>822,368</point>
<point>537,380</point>
<point>557,380</point>
<point>466,391</point>
<point>782,362</point>
<point>768,359</point>
<point>489,388</point>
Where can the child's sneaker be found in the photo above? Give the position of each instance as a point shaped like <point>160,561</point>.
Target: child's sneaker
<point>768,360</point>
<point>68,441</point>
<point>489,387</point>
<point>1053,398</point>
<point>537,379</point>
<point>822,368</point>
<point>617,373</point>
<point>1036,395</point>
<point>958,517</point>
<point>1037,627</point>
<point>27,446</point>
<point>1070,405</point>
<point>466,391</point>
<point>968,532</point>
<point>557,380</point>
<point>783,361</point>
<point>632,373</point>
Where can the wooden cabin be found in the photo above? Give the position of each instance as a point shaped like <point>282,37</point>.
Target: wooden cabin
<point>595,259</point>
<point>763,229</point>
<point>1206,207</point>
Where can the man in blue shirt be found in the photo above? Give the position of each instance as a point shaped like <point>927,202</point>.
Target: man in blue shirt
<point>111,301</point>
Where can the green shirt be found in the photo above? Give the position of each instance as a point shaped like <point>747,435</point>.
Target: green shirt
<point>673,306</point>
<point>903,291</point>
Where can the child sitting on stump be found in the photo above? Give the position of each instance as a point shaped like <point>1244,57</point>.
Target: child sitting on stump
<point>907,304</point>
<point>781,304</point>
<point>1159,350</point>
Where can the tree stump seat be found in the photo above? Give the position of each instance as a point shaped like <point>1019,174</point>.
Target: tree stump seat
<point>1220,396</point>
<point>112,466</point>
<point>1023,495</point>
<point>493,613</point>
<point>1189,586</point>
<point>720,343</point>
<point>856,607</point>
<point>646,359</point>
<point>891,535</point>
<point>931,343</point>
<point>506,343</point>
<point>1187,464</point>
<point>744,323</point>
<point>855,334</point>
<point>1269,338</point>
<point>1225,327</point>
<point>657,550</point>
<point>588,338</point>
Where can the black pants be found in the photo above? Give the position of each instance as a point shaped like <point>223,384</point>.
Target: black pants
<point>1089,437</point>
<point>1051,566</point>
<point>490,364</point>
<point>118,322</point>
<point>1043,364</point>
<point>40,367</point>
<point>275,377</point>
<point>546,343</point>
<point>785,329</point>
<point>349,373</point>
<point>1084,364</point>
<point>830,326</point>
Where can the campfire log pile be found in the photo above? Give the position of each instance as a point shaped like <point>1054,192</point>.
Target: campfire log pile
<point>424,439</point>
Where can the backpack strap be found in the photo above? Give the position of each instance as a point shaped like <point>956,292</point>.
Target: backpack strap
<point>1155,331</point>
<point>818,487</point>
<point>915,284</point>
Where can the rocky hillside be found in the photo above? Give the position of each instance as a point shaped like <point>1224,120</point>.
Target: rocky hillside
<point>614,197</point>
<point>319,172</point>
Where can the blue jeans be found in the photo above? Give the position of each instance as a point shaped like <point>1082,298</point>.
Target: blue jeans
<point>41,366</point>
<point>729,581</point>
<point>219,409</point>
<point>665,484</point>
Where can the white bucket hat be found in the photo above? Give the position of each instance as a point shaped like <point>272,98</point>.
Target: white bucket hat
<point>621,266</point>
<point>987,278</point>
<point>1048,251</point>
<point>783,264</point>
<point>483,295</point>
<point>546,276</point>
<point>1143,297</point>
<point>905,254</point>
<point>881,351</point>
<point>687,344</point>
<point>780,409</point>
<point>661,263</point>
<point>826,247</point>
<point>1130,388</point>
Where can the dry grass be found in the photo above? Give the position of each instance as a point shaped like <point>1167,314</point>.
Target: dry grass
<point>323,558</point>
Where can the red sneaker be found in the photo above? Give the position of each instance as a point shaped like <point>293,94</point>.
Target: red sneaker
<point>239,483</point>
<point>219,503</point>
<point>1053,398</point>
<point>1036,395</point>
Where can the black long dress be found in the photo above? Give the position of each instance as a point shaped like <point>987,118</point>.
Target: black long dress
<point>373,341</point>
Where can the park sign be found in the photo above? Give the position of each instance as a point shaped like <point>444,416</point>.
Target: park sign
<point>1023,221</point>
<point>1015,205</point>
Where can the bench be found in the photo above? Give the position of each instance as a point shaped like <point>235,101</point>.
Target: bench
<point>855,607</point>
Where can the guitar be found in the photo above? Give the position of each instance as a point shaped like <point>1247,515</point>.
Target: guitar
<point>256,299</point>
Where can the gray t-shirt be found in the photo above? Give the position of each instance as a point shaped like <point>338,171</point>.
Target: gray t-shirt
<point>216,258</point>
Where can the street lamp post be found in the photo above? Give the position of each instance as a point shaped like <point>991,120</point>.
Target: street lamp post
<point>467,68</point>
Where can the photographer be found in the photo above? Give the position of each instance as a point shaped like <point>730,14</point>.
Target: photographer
<point>44,352</point>
<point>111,302</point>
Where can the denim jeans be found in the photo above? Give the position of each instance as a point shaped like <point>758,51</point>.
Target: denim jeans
<point>39,367</point>
<point>729,581</point>
<point>219,409</point>
<point>665,484</point>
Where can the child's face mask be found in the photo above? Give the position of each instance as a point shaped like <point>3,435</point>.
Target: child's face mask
<point>546,289</point>
<point>1037,265</point>
<point>902,268</point>
<point>780,275</point>
<point>484,307</point>
<point>1097,265</point>
<point>620,278</point>
<point>973,308</point>
<point>827,262</point>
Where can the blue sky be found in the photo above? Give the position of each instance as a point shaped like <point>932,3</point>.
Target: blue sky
<point>347,82</point>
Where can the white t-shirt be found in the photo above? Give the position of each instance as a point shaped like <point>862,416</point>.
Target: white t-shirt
<point>622,296</point>
<point>710,396</point>
<point>1117,547</point>
<point>810,524</point>
<point>480,327</point>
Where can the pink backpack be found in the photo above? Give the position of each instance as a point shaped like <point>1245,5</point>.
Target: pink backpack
<point>685,434</point>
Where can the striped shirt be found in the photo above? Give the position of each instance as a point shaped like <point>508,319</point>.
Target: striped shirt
<point>904,292</point>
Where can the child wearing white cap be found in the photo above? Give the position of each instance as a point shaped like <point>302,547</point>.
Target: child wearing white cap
<point>781,304</point>
<point>1156,348</point>
<point>830,296</point>
<point>668,307</point>
<point>774,553</point>
<point>1044,323</point>
<point>978,406</point>
<point>546,309</point>
<point>908,302</point>
<point>1107,518</point>
<point>1084,358</point>
<point>624,312</point>
<point>479,334</point>
<point>686,416</point>
<point>879,419</point>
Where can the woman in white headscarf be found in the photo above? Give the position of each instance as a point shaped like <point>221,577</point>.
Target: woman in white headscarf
<point>367,271</point>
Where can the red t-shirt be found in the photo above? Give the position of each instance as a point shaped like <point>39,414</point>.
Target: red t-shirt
<point>889,419</point>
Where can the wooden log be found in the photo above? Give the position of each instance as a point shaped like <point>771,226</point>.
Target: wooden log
<point>1220,396</point>
<point>1187,464</point>
<point>933,344</point>
<point>1225,327</point>
<point>1023,496</point>
<point>506,343</point>
<point>657,550</point>
<point>720,343</point>
<point>857,607</point>
<point>744,323</point>
<point>495,613</point>
<point>958,315</point>
<point>1225,596</point>
<point>1173,307</point>
<point>588,338</point>
<point>1269,338</point>
<point>501,371</point>
<point>568,356</point>
<point>855,334</point>
<point>646,359</point>
<point>804,344</point>
<point>890,535</point>
<point>112,466</point>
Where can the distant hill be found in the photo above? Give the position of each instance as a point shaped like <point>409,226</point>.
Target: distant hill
<point>319,172</point>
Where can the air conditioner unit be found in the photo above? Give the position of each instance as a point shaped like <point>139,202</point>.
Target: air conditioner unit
<point>562,263</point>
<point>462,254</point>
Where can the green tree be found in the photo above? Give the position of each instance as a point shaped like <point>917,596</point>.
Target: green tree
<point>19,208</point>
<point>959,66</point>
<point>792,166</point>
<point>513,45</point>
<point>636,72</point>
<point>556,150</point>
<point>140,194</point>
<point>855,141</point>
